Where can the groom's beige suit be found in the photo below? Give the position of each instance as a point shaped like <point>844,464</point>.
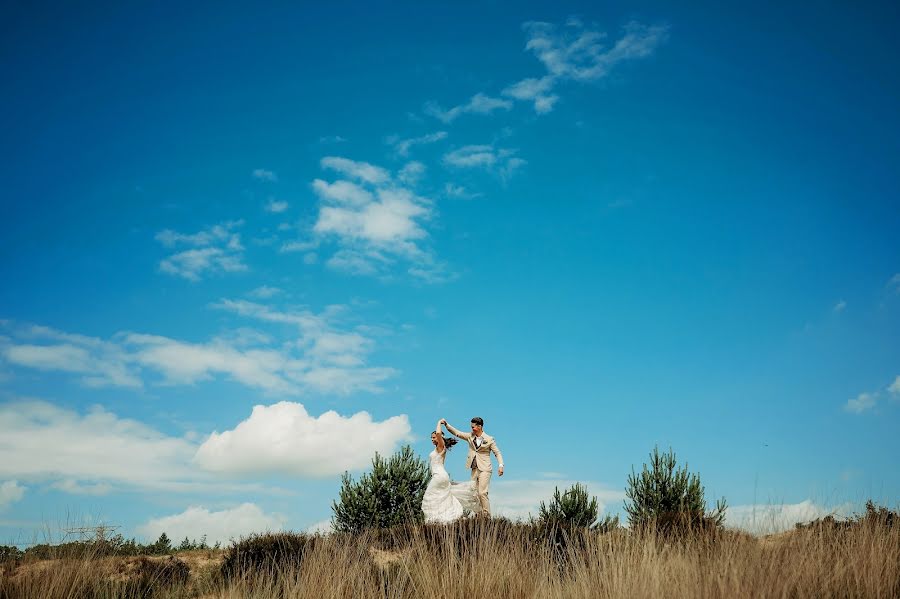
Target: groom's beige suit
<point>479,460</point>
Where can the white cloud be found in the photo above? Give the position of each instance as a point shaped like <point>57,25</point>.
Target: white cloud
<point>43,441</point>
<point>265,175</point>
<point>284,438</point>
<point>774,518</point>
<point>215,250</point>
<point>451,190</point>
<point>402,146</point>
<point>321,527</point>
<point>478,104</point>
<point>221,526</point>
<point>411,173</point>
<point>374,220</point>
<point>580,54</point>
<point>10,492</point>
<point>293,364</point>
<point>534,90</point>
<point>101,363</point>
<point>895,386</point>
<point>519,499</point>
<point>332,139</point>
<point>839,307</point>
<point>361,171</point>
<point>276,206</point>
<point>573,53</point>
<point>265,292</point>
<point>502,161</point>
<point>862,403</point>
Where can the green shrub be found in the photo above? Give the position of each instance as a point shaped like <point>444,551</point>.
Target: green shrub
<point>389,495</point>
<point>667,498</point>
<point>574,508</point>
<point>271,553</point>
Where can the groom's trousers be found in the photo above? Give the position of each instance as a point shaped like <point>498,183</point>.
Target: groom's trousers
<point>482,482</point>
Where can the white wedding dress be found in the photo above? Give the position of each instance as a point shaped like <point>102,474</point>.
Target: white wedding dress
<point>445,501</point>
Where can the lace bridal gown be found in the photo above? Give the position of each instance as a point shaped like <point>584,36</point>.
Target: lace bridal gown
<point>445,501</point>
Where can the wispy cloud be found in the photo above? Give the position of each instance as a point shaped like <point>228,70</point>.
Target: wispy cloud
<point>861,403</point>
<point>502,161</point>
<point>285,439</point>
<point>265,292</point>
<point>839,307</point>
<point>214,250</point>
<point>314,353</point>
<point>894,283</point>
<point>265,175</point>
<point>576,53</point>
<point>332,139</point>
<point>276,206</point>
<point>478,104</point>
<point>451,190</point>
<point>402,146</point>
<point>866,401</point>
<point>374,219</point>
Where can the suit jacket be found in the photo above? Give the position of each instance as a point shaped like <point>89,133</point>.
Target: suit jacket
<point>479,458</point>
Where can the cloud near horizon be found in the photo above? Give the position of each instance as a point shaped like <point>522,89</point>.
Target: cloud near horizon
<point>284,438</point>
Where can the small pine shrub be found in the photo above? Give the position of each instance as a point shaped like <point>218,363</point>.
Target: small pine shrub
<point>666,498</point>
<point>389,495</point>
<point>271,552</point>
<point>574,508</point>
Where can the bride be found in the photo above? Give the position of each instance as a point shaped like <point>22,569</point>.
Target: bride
<point>445,501</point>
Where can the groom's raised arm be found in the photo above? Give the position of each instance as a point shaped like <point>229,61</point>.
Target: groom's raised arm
<point>456,432</point>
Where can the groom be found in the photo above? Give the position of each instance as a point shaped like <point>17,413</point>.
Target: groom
<point>479,459</point>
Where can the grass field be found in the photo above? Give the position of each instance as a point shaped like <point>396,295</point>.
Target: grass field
<point>498,559</point>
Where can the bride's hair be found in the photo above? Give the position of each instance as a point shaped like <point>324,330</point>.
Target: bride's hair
<point>449,442</point>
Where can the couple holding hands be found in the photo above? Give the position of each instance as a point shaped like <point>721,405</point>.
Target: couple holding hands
<point>444,500</point>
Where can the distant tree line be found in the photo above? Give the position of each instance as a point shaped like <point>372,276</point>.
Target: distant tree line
<point>114,546</point>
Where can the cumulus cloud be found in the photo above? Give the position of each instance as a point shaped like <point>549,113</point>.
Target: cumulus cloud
<point>265,175</point>
<point>895,386</point>
<point>520,499</point>
<point>284,438</point>
<point>218,526</point>
<point>402,146</point>
<point>10,492</point>
<point>502,161</point>
<point>411,173</point>
<point>97,452</point>
<point>774,518</point>
<point>478,104</point>
<point>214,250</point>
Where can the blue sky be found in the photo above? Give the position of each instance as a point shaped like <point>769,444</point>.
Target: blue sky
<point>244,248</point>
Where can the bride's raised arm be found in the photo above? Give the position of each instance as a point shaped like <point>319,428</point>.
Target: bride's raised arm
<point>456,432</point>
<point>440,437</point>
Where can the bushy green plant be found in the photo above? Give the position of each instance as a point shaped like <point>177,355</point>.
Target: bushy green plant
<point>269,552</point>
<point>390,494</point>
<point>574,507</point>
<point>666,498</point>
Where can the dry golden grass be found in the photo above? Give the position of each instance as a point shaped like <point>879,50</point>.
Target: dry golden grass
<point>498,560</point>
